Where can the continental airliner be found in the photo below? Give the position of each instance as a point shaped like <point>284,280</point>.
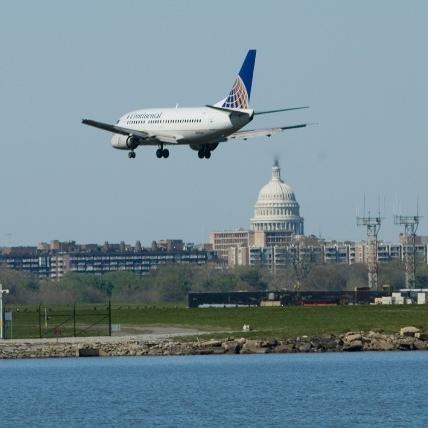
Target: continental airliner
<point>201,128</point>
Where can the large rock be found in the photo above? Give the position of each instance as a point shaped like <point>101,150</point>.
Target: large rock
<point>351,337</point>
<point>231,347</point>
<point>329,344</point>
<point>304,346</point>
<point>211,343</point>
<point>254,347</point>
<point>420,345</point>
<point>269,343</point>
<point>422,335</point>
<point>406,343</point>
<point>354,346</point>
<point>379,344</point>
<point>89,352</point>
<point>284,348</point>
<point>409,331</point>
<point>208,351</point>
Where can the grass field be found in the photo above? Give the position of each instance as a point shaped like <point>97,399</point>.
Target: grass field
<point>289,321</point>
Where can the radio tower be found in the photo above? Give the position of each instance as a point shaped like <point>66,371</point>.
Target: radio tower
<point>372,225</point>
<point>411,224</point>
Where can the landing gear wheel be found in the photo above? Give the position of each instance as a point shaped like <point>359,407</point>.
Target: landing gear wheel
<point>159,153</point>
<point>207,154</point>
<point>131,155</point>
<point>201,154</point>
<point>165,153</point>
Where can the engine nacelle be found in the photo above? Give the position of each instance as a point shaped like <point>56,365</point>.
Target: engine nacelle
<point>209,146</point>
<point>124,142</point>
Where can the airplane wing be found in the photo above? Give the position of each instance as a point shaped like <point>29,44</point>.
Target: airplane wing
<point>115,129</point>
<point>147,139</point>
<point>267,132</point>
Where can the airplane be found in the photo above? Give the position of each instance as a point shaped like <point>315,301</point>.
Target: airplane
<point>201,128</point>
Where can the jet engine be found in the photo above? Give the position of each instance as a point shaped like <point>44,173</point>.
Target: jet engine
<point>125,142</point>
<point>208,147</point>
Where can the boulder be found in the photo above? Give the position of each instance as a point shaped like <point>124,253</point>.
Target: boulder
<point>422,335</point>
<point>284,348</point>
<point>269,343</point>
<point>208,351</point>
<point>231,347</point>
<point>351,337</point>
<point>253,347</point>
<point>354,346</point>
<point>420,345</point>
<point>327,344</point>
<point>406,343</point>
<point>379,345</point>
<point>211,343</point>
<point>304,347</point>
<point>409,331</point>
<point>89,352</point>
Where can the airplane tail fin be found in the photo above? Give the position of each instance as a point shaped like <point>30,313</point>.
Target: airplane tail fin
<point>239,95</point>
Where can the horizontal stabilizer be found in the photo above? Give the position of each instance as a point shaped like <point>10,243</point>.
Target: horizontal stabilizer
<point>231,111</point>
<point>278,110</point>
<point>268,132</point>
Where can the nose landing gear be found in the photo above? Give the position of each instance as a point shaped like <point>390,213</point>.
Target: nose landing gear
<point>131,154</point>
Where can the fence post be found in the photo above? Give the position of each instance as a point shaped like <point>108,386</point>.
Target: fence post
<point>109,317</point>
<point>74,320</point>
<point>40,320</point>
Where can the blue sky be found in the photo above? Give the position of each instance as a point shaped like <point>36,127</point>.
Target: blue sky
<point>361,66</point>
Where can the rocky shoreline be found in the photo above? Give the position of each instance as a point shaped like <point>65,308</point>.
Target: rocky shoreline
<point>408,339</point>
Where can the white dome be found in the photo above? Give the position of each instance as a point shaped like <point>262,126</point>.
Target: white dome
<point>276,208</point>
<point>276,190</point>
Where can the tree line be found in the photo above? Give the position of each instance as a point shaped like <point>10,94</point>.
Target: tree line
<point>171,283</point>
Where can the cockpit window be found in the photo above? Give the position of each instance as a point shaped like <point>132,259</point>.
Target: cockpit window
<point>117,121</point>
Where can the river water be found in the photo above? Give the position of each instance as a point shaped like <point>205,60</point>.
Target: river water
<point>308,390</point>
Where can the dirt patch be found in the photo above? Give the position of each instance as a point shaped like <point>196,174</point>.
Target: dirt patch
<point>162,330</point>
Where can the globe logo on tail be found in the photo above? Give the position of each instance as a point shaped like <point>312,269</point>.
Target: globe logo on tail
<point>238,96</point>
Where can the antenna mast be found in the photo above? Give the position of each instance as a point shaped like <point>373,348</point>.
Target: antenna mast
<point>411,224</point>
<point>372,225</point>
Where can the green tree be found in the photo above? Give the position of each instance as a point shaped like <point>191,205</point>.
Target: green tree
<point>392,273</point>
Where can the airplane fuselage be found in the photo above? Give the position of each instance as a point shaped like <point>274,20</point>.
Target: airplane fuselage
<point>195,126</point>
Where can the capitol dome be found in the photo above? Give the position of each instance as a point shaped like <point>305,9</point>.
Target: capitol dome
<point>276,208</point>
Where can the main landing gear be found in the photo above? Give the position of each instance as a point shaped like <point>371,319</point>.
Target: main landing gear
<point>131,154</point>
<point>162,153</point>
<point>204,153</point>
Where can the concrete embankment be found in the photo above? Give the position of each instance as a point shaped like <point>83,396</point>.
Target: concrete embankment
<point>408,339</point>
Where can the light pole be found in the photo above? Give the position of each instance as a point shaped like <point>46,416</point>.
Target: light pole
<point>5,291</point>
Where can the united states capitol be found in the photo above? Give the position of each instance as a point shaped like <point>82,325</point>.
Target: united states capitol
<point>275,239</point>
